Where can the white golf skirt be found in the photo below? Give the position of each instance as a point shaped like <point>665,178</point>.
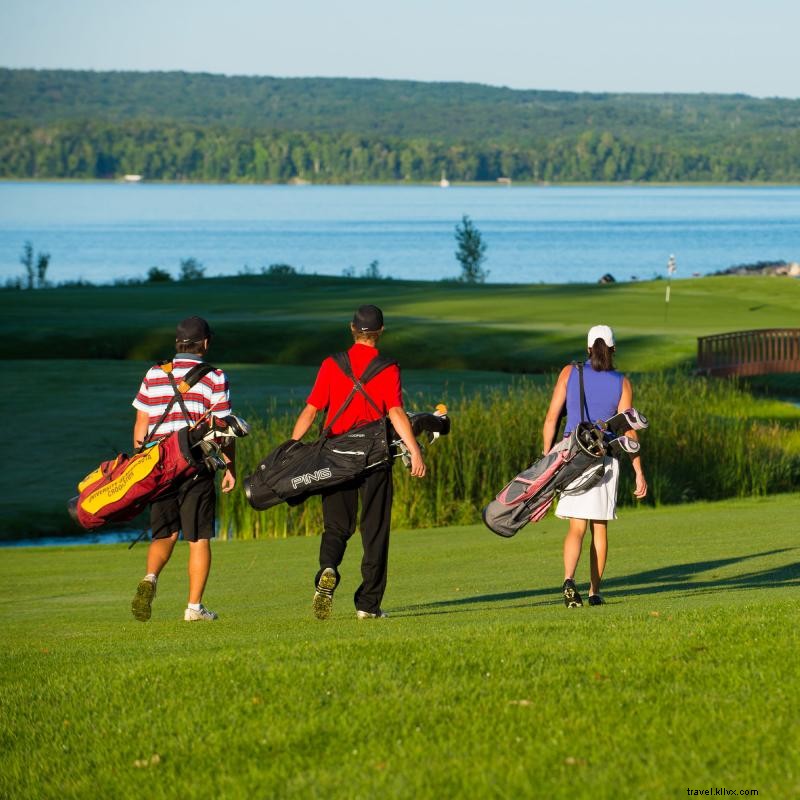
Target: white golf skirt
<point>599,502</point>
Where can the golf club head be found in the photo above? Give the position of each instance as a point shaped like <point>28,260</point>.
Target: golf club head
<point>624,444</point>
<point>230,427</point>
<point>636,419</point>
<point>590,439</point>
<point>237,426</point>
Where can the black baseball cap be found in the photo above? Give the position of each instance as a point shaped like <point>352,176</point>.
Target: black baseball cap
<point>368,318</point>
<point>192,329</point>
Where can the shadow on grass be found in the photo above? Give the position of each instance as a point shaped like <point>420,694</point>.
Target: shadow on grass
<point>672,578</point>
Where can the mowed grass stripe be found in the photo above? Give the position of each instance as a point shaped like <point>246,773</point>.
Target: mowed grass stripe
<point>481,684</point>
<point>429,325</point>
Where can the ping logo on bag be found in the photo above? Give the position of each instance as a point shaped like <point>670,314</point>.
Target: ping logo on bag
<point>317,475</point>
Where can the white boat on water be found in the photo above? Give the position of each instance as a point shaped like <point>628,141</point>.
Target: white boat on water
<point>444,183</point>
<point>132,178</point>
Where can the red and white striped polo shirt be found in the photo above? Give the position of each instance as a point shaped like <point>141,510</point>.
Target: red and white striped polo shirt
<point>210,392</point>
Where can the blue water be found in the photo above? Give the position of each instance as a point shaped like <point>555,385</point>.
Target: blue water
<point>109,537</point>
<point>105,231</point>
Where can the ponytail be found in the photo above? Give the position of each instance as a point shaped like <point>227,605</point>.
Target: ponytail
<point>601,356</point>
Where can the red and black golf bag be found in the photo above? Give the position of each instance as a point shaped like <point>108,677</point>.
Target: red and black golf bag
<point>120,489</point>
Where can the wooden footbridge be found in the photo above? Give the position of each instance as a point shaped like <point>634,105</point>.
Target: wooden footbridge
<point>759,352</point>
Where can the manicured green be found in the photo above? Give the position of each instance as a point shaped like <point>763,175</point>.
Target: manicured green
<point>480,685</point>
<point>299,320</point>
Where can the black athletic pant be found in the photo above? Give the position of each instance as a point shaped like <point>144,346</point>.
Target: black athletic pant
<point>339,511</point>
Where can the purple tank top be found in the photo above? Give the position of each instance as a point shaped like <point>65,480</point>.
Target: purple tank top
<point>603,391</point>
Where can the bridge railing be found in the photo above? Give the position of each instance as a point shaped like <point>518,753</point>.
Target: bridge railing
<point>758,352</point>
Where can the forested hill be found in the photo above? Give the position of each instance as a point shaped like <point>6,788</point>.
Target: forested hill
<point>59,123</point>
<point>451,111</point>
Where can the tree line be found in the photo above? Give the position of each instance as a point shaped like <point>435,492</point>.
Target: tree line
<point>440,111</point>
<point>174,151</point>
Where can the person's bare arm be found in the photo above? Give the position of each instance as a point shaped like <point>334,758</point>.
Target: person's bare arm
<point>229,478</point>
<point>556,407</point>
<point>304,421</point>
<point>399,419</point>
<point>626,402</point>
<point>140,428</point>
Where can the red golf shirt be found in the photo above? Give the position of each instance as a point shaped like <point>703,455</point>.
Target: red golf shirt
<point>332,387</point>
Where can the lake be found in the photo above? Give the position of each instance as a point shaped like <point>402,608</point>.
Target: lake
<point>106,231</point>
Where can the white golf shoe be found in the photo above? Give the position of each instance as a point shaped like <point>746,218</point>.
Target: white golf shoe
<point>203,615</point>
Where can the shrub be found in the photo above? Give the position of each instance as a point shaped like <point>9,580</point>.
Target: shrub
<point>279,270</point>
<point>158,275</point>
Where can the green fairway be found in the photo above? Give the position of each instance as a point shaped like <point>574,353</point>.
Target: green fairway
<point>520,328</point>
<point>480,685</point>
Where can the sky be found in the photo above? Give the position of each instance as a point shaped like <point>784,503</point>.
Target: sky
<point>717,46</point>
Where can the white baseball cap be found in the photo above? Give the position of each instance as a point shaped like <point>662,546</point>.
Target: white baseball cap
<point>600,332</point>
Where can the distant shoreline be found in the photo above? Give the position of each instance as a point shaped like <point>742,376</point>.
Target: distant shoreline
<point>418,184</point>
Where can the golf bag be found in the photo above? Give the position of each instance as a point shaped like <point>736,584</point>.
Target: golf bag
<point>528,497</point>
<point>295,471</point>
<point>120,489</point>
<point>574,465</point>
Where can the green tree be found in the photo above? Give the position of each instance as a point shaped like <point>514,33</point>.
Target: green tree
<point>191,269</point>
<point>42,263</point>
<point>26,259</point>
<point>471,252</point>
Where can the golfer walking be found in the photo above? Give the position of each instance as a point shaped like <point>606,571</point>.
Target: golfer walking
<point>607,392</point>
<point>374,487</point>
<point>190,507</point>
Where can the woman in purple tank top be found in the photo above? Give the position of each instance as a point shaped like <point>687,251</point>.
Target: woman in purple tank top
<point>607,392</point>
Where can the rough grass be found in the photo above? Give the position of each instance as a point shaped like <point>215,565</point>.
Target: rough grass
<point>75,413</point>
<point>708,440</point>
<point>481,684</point>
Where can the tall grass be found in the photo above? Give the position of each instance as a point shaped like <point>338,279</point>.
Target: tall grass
<point>704,443</point>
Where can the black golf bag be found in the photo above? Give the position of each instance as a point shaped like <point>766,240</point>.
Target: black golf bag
<point>294,471</point>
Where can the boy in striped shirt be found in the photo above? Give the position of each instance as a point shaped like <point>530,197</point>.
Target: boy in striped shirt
<point>191,506</point>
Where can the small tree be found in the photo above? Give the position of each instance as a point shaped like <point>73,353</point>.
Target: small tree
<point>42,263</point>
<point>26,259</point>
<point>373,270</point>
<point>35,268</point>
<point>471,252</point>
<point>191,269</point>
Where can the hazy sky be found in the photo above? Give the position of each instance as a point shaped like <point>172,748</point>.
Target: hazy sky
<point>748,46</point>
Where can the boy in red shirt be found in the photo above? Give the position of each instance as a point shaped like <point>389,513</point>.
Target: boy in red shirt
<point>340,504</point>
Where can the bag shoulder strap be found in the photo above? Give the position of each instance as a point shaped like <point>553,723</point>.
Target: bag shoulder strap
<point>377,365</point>
<point>584,405</point>
<point>192,376</point>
